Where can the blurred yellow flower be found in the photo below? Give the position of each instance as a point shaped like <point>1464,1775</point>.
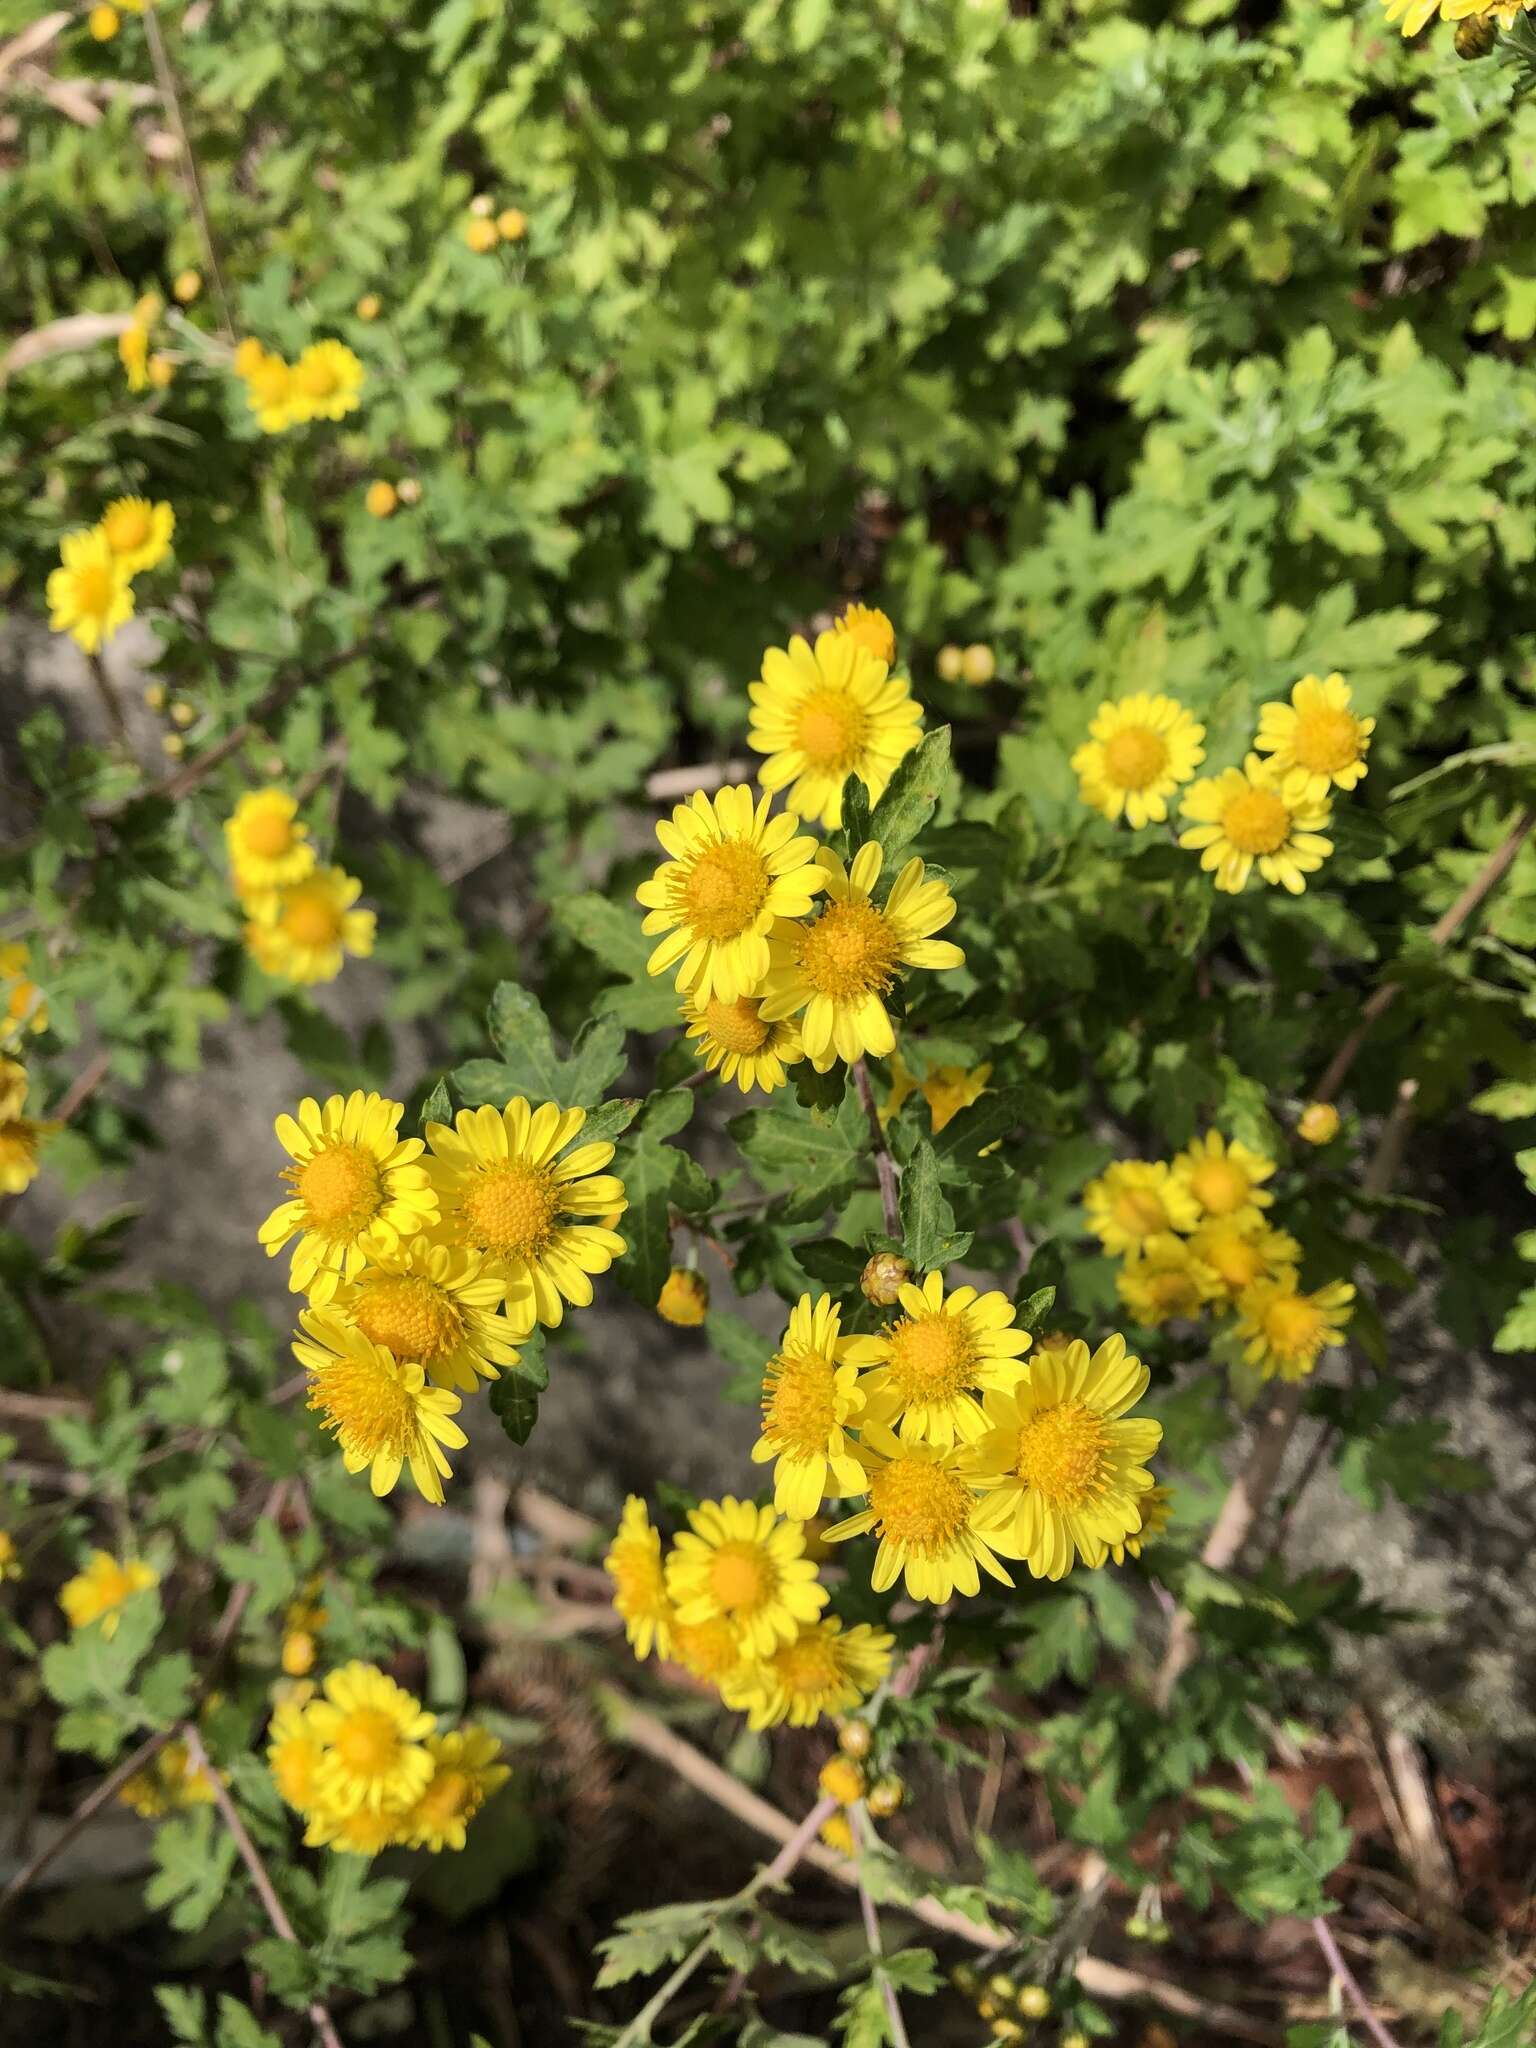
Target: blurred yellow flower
<point>89,595</point>
<point>326,382</point>
<point>640,1597</point>
<point>1136,1202</point>
<point>872,629</point>
<point>20,1140</point>
<point>103,23</point>
<point>268,845</point>
<point>1139,749</point>
<point>137,533</point>
<point>1284,1331</point>
<point>133,347</point>
<point>96,1593</point>
<point>822,1669</point>
<point>465,1772</point>
<point>303,933</point>
<point>373,1736</point>
<point>381,498</point>
<point>22,1007</point>
<point>1318,1123</point>
<point>168,1783</point>
<point>1251,816</point>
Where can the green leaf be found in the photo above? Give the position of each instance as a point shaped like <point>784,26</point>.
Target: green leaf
<point>815,1160</point>
<point>927,1220</point>
<point>990,1117</point>
<point>521,1035</point>
<point>1032,1312</point>
<point>514,1398</point>
<point>438,1107</point>
<point>647,1168</point>
<point>609,1119</point>
<point>596,1062</point>
<point>911,796</point>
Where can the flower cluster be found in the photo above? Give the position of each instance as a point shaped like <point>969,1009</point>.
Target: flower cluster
<point>302,919</point>
<point>1195,1238</point>
<point>324,384</point>
<point>144,367</point>
<point>90,594</point>
<point>368,1768</point>
<point>426,1262</point>
<point>169,1782</point>
<point>1271,813</point>
<point>21,1136</point>
<point>484,227</point>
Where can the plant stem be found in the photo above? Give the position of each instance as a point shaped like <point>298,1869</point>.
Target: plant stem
<point>871,1920</point>
<point>1346,1977</point>
<point>250,1856</point>
<point>111,703</point>
<point>165,78</point>
<point>85,1812</point>
<point>885,1165</point>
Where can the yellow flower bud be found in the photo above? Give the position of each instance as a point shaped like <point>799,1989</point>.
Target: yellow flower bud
<point>154,696</point>
<point>369,306</point>
<point>1318,1123</point>
<point>855,1738</point>
<point>187,286</point>
<point>885,1796</point>
<point>884,1277</point>
<point>161,371</point>
<point>482,206</point>
<point>837,1834</point>
<point>1034,2001</point>
<point>512,224</point>
<point>409,490</point>
<point>1000,1987</point>
<point>103,23</point>
<point>978,664</point>
<point>841,1779</point>
<point>381,498</point>
<point>1475,36</point>
<point>182,713</point>
<point>1075,2040</point>
<point>298,1653</point>
<point>174,745</point>
<point>480,234</point>
<point>949,664</point>
<point>684,1299</point>
<point>149,309</point>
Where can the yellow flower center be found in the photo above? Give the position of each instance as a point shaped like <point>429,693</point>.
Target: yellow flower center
<point>270,380</point>
<point>339,1188</point>
<point>1140,1212</point>
<point>808,1664</point>
<point>932,1357</point>
<point>316,378</point>
<point>310,919</point>
<point>736,1026</point>
<point>1062,1454</point>
<point>920,1505</point>
<point>1135,757</point>
<point>127,527</point>
<point>831,731</point>
<point>708,1649</point>
<point>1237,1261</point>
<point>849,952</point>
<point>95,588</point>
<point>365,1407</point>
<point>448,1798</point>
<point>1293,1325</point>
<point>511,1209</point>
<point>726,888</point>
<point>1219,1186</point>
<point>1256,821</point>
<point>409,1315</point>
<point>368,1742</point>
<point>1326,739</point>
<point>268,833</point>
<point>738,1576</point>
<point>800,1403</point>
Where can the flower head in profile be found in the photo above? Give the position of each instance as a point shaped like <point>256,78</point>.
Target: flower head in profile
<point>1284,1330</point>
<point>834,972</point>
<point>684,1299</point>
<point>268,843</point>
<point>735,1042</point>
<point>748,1566</point>
<point>639,1583</point>
<point>304,932</point>
<point>822,1669</point>
<point>870,627</point>
<point>1156,1512</point>
<point>89,596</point>
<point>21,1141</point>
<point>133,354</point>
<point>1068,1464</point>
<point>294,1750</point>
<point>380,1409</point>
<point>466,1770</point>
<point>924,1504</point>
<point>826,712</point>
<point>358,1189</point>
<point>437,1304</point>
<point>1168,1284</point>
<point>138,533</point>
<point>810,1395</point>
<point>1253,817</point>
<point>536,1211</point>
<point>1239,1250</point>
<point>730,871</point>
<point>97,1593</point>
<point>928,1369</point>
<point>1139,751</point>
<point>373,1737</point>
<point>1225,1178</point>
<point>23,1006</point>
<point>325,383</point>
<point>1316,741</point>
<point>1135,1203</point>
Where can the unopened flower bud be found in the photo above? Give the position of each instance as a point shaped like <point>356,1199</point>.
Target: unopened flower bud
<point>684,1299</point>
<point>886,1796</point>
<point>842,1780</point>
<point>1475,36</point>
<point>884,1277</point>
<point>1318,1123</point>
<point>855,1738</point>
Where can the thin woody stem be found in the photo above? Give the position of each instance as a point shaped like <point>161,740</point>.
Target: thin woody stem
<point>111,703</point>
<point>1323,1935</point>
<point>885,1165</point>
<point>871,1919</point>
<point>165,77</point>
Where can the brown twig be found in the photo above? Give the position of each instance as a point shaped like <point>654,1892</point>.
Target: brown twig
<point>101,1795</point>
<point>1323,1934</point>
<point>271,1904</point>
<point>165,78</point>
<point>83,1087</point>
<point>666,784</point>
<point>885,1165</point>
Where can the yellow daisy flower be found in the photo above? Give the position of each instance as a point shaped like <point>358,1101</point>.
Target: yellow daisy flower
<point>837,1832</point>
<point>930,1367</point>
<point>1156,1510</point>
<point>24,1007</point>
<point>710,1650</point>
<point>1224,1180</point>
<point>358,1189</point>
<point>465,1772</point>
<point>822,714</point>
<point>1247,816</point>
<point>326,382</point>
<point>924,1502</point>
<point>1318,1124</point>
<point>268,843</point>
<point>365,1831</point>
<point>1316,741</point>
<point>169,1783</point>
<point>294,1753</point>
<point>737,1043</point>
<point>1067,1465</point>
<point>89,596</point>
<point>640,1588</point>
<point>872,630</point>
<point>506,1192</point>
<point>823,1669</point>
<point>436,1304</point>
<point>810,1395</point>
<point>745,1564</point>
<point>303,933</point>
<point>731,871</point>
<point>248,355</point>
<point>96,1593</point>
<point>269,389</point>
<point>1135,1203</point>
<point>1139,750</point>
<point>1238,1250</point>
<point>683,1300</point>
<point>133,352</point>
<point>1169,1283</point>
<point>1284,1331</point>
<point>378,1407</point>
<point>837,969</point>
<point>948,1090</point>
<point>1411,15</point>
<point>21,1139</point>
<point>137,533</point>
<point>373,1737</point>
